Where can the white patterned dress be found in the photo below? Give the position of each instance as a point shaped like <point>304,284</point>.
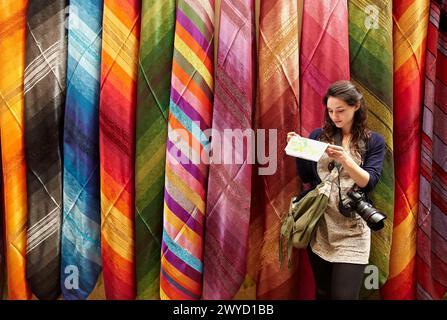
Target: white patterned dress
<point>340,239</point>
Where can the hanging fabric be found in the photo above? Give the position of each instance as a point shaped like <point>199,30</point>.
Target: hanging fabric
<point>229,183</point>
<point>409,32</point>
<point>44,90</point>
<point>154,83</point>
<point>2,236</point>
<point>277,112</point>
<point>325,39</point>
<point>431,260</point>
<point>15,214</point>
<point>118,99</point>
<point>81,245</point>
<point>190,114</point>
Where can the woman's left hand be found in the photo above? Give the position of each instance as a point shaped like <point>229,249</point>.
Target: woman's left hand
<point>338,154</point>
<point>359,175</point>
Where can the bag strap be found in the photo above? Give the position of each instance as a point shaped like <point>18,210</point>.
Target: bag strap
<point>338,142</point>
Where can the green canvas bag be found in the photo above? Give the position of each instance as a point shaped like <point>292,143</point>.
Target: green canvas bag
<point>303,215</point>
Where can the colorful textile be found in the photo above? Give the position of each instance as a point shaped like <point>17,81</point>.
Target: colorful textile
<point>81,245</point>
<point>325,39</point>
<point>277,110</point>
<point>409,32</point>
<point>44,90</point>
<point>15,214</point>
<point>118,99</point>
<point>431,265</point>
<point>190,113</point>
<point>229,182</point>
<point>2,234</point>
<point>154,83</point>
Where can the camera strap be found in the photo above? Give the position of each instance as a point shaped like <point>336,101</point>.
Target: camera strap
<point>343,210</point>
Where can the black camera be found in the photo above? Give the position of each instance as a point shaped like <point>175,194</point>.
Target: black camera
<point>356,203</point>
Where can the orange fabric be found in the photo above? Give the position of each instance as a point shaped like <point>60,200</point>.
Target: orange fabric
<point>12,64</point>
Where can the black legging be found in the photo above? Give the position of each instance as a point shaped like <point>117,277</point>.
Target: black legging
<point>336,281</point>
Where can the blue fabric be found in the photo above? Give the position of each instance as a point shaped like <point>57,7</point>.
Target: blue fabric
<point>81,246</point>
<point>372,163</point>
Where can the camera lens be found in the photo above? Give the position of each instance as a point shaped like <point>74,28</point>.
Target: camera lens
<point>373,217</point>
<point>376,222</point>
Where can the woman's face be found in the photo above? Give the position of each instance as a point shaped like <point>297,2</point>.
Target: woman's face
<point>341,113</point>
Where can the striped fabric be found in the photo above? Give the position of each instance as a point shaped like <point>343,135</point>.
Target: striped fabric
<point>410,30</point>
<point>154,82</point>
<point>44,89</point>
<point>229,183</point>
<point>190,113</point>
<point>119,63</point>
<point>325,39</point>
<point>371,62</point>
<point>277,110</point>
<point>12,64</point>
<point>81,245</point>
<point>431,263</point>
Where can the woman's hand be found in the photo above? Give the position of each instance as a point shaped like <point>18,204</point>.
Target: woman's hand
<point>359,175</point>
<point>338,154</point>
<point>290,135</point>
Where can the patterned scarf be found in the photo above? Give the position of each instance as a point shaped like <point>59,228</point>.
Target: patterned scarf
<point>186,174</point>
<point>81,245</point>
<point>410,30</point>
<point>44,89</point>
<point>431,263</point>
<point>229,183</point>
<point>277,110</point>
<point>154,82</point>
<point>118,99</point>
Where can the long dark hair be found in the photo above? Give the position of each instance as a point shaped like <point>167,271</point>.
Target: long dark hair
<point>347,92</point>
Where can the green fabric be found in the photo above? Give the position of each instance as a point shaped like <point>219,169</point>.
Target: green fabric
<point>154,80</point>
<point>371,62</point>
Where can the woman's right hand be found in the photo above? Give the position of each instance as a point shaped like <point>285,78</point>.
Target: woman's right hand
<point>290,135</point>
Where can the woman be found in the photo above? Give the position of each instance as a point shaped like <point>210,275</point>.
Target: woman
<point>340,245</point>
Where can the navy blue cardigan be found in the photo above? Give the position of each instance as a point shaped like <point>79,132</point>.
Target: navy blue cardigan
<point>372,163</point>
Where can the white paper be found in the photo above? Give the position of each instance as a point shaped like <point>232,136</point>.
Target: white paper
<point>305,148</point>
